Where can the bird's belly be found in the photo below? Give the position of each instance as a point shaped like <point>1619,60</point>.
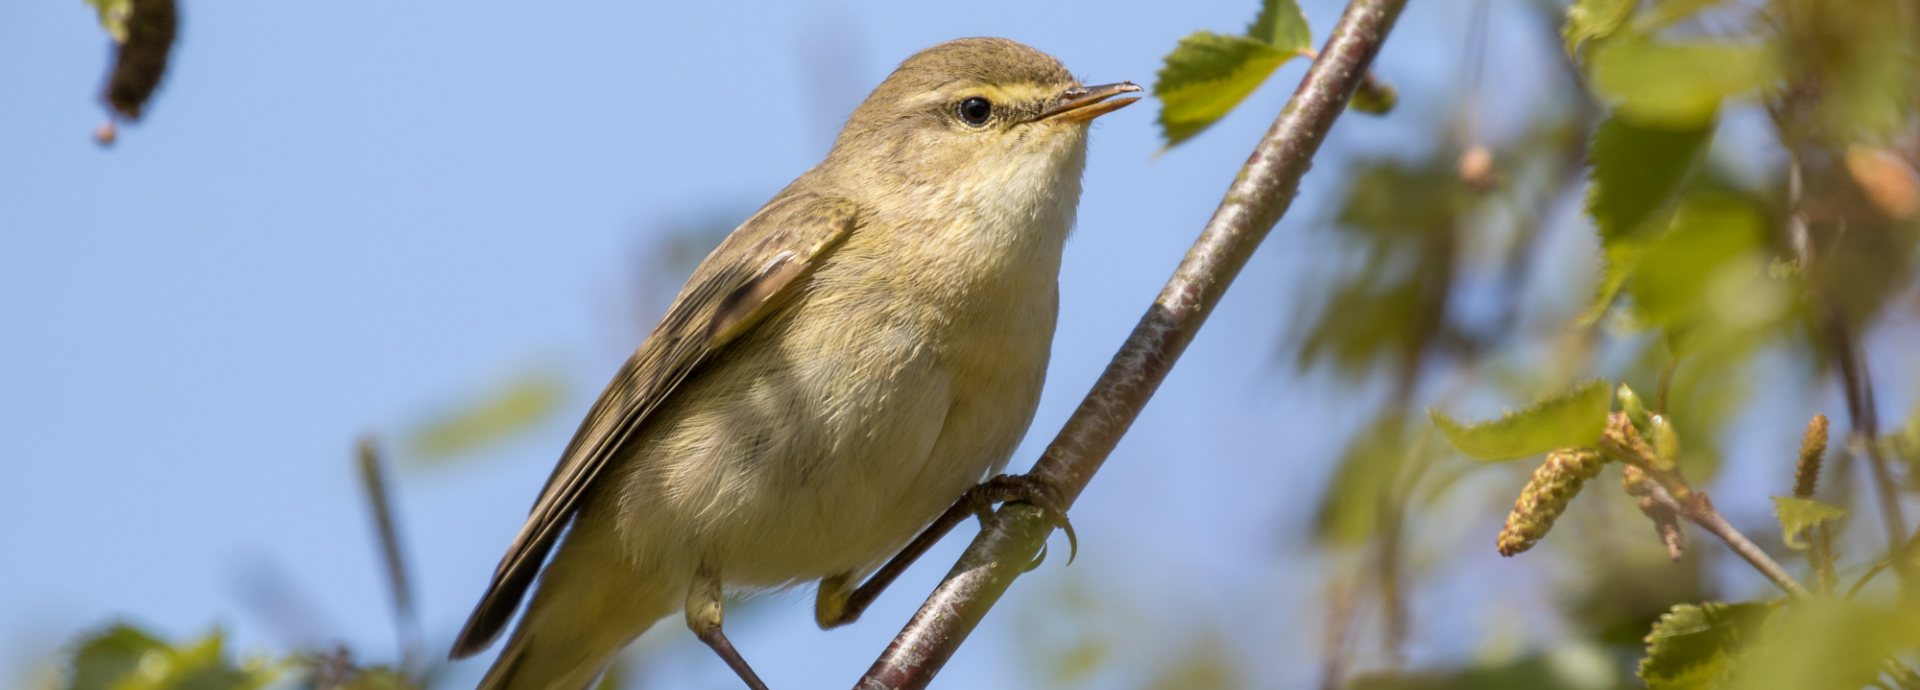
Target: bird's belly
<point>828,456</point>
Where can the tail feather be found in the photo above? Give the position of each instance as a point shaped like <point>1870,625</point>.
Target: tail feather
<point>589,604</point>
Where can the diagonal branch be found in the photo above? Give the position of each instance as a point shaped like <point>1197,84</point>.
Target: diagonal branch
<point>1259,196</point>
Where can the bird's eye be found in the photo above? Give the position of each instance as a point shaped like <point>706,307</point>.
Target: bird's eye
<point>976,110</point>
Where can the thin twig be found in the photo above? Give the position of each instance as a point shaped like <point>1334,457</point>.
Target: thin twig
<point>1259,196</point>
<point>1863,415</point>
<point>1867,577</point>
<point>1622,442</point>
<point>1669,489</point>
<point>406,619</point>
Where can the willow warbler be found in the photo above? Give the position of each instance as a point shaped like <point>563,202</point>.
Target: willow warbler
<point>845,366</point>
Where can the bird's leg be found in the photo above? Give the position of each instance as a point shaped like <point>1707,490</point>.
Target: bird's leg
<point>836,605</point>
<point>705,608</point>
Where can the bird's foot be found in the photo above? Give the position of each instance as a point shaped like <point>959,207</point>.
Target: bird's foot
<point>1028,488</point>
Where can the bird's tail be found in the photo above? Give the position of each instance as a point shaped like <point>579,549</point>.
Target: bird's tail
<point>588,606</point>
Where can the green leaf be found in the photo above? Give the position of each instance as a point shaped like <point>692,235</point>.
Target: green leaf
<point>1797,515</point>
<point>1824,643</point>
<point>1206,76</point>
<point>516,407</point>
<point>1636,171</point>
<point>1574,418</point>
<point>1675,85</point>
<point>1283,25</point>
<point>1693,647</point>
<point>113,16</point>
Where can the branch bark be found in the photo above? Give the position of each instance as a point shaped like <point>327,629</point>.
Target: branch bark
<point>1256,200</point>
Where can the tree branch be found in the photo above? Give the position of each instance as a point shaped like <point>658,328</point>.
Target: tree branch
<point>1259,196</point>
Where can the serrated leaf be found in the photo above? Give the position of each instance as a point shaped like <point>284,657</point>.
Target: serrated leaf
<point>513,408</point>
<point>1591,19</point>
<point>1636,171</point>
<point>1620,258</point>
<point>1694,647</point>
<point>1675,85</point>
<point>1283,25</point>
<point>1206,76</point>
<point>1572,419</point>
<point>1797,515</point>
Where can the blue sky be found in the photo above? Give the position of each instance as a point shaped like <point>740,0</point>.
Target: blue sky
<point>343,217</point>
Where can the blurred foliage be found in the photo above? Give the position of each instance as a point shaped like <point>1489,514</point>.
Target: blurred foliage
<point>1716,267</point>
<point>123,657</point>
<point>1571,669</point>
<point>1074,631</point>
<point>1721,273</point>
<point>113,17</point>
<point>511,409</point>
<point>1203,664</point>
<point>1625,589</point>
<point>1397,224</point>
<point>1369,468</point>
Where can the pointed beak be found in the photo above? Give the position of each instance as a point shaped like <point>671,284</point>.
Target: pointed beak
<point>1084,103</point>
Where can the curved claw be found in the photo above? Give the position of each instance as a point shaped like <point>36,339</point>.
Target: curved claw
<point>1073,542</point>
<point>1059,518</point>
<point>1040,494</point>
<point>1037,559</point>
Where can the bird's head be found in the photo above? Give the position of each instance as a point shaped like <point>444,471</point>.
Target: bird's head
<point>975,112</point>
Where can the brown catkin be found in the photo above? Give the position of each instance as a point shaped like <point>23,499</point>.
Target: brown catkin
<point>1546,495</point>
<point>1666,523</point>
<point>1812,447</point>
<point>142,62</point>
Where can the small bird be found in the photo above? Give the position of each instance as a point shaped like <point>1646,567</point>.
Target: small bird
<point>845,368</point>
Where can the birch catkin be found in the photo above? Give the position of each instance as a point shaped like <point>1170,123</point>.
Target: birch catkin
<point>1546,496</point>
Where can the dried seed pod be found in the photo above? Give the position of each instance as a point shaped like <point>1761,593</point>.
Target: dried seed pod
<point>1813,447</point>
<point>1666,522</point>
<point>143,57</point>
<point>1546,496</point>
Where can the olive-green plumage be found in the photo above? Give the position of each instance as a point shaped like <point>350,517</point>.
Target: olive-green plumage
<point>845,365</point>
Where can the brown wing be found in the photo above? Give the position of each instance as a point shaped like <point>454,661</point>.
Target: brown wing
<point>751,272</point>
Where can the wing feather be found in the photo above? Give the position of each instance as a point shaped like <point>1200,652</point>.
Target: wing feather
<point>752,271</point>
